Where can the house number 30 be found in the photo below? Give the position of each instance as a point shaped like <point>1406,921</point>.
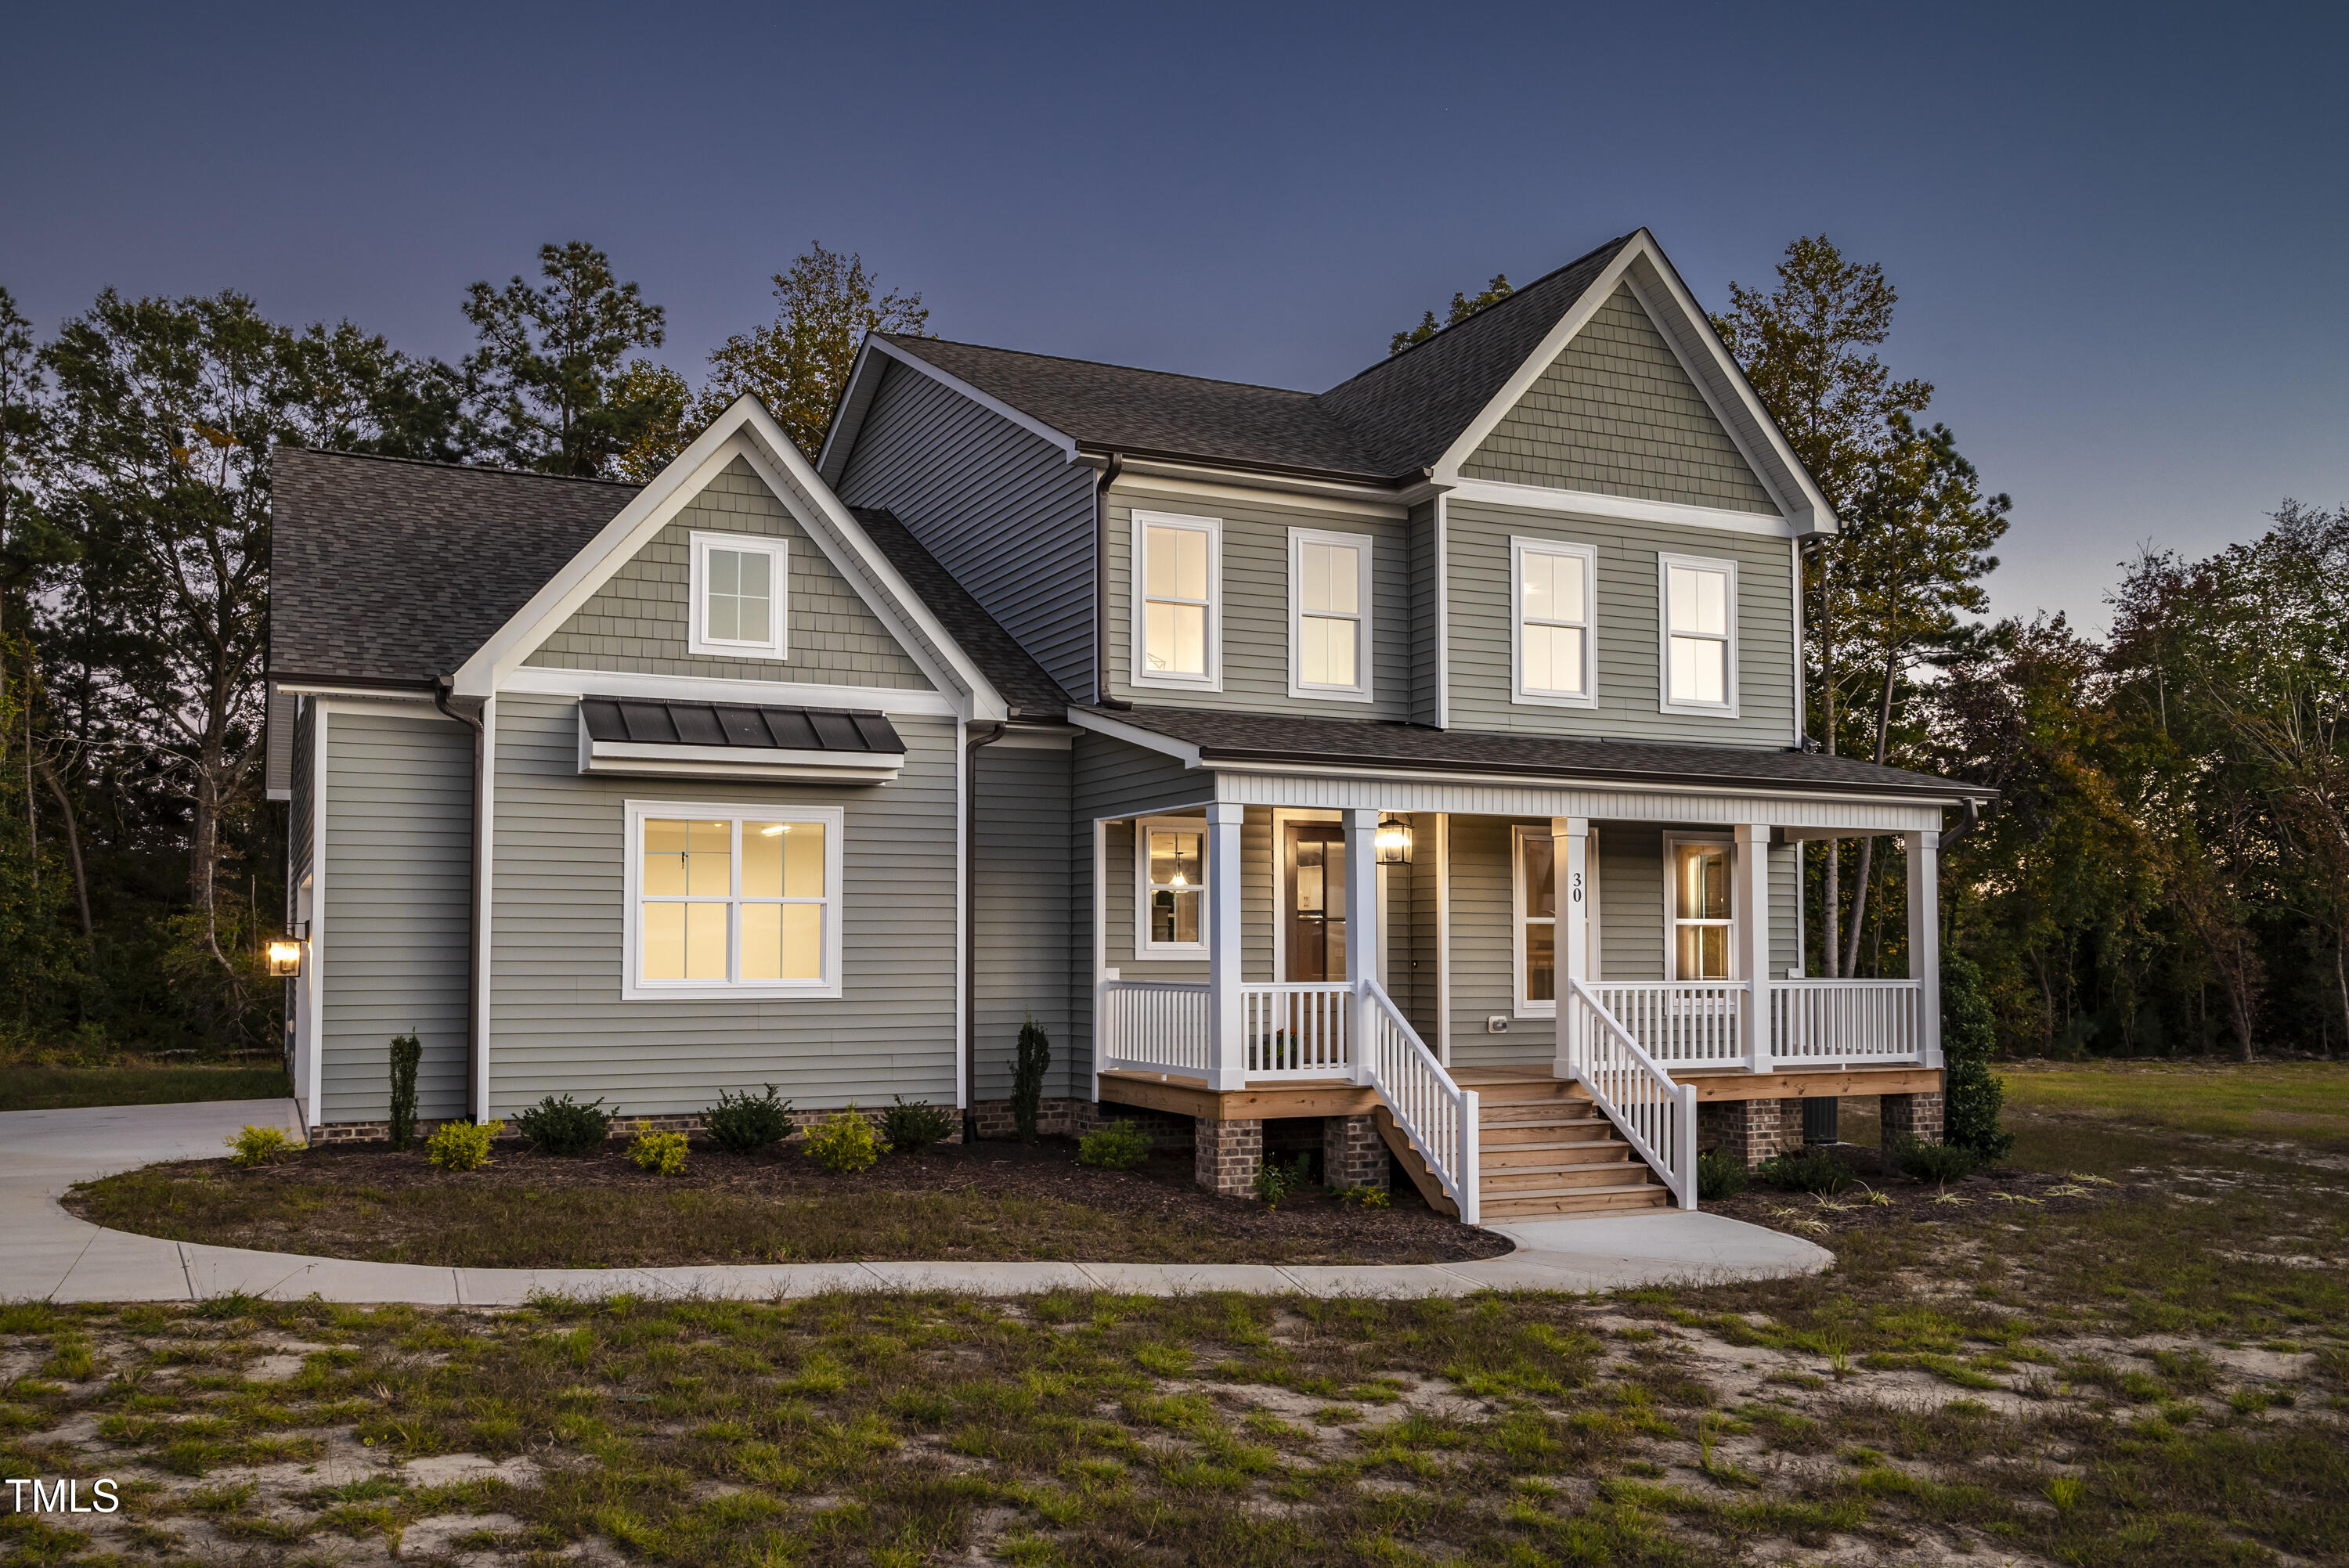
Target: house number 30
<point>1575,883</point>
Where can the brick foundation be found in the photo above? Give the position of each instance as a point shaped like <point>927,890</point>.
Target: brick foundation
<point>1226,1155</point>
<point>1054,1117</point>
<point>1749,1130</point>
<point>1917,1116</point>
<point>1352,1152</point>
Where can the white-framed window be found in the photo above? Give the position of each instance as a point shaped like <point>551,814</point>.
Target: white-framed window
<point>1698,604</point>
<point>739,593</point>
<point>1555,588</point>
<point>1700,907</point>
<point>732,901</point>
<point>1533,859</point>
<point>1178,601</point>
<point>1330,614</point>
<point>1170,883</point>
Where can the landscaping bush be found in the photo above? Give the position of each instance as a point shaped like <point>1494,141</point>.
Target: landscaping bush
<point>1363,1197</point>
<point>1114,1146</point>
<point>1028,1076</point>
<point>1719,1176</point>
<point>910,1129</point>
<point>1810,1171</point>
<point>739,1123</point>
<point>843,1143</point>
<point>406,1051</point>
<point>1275,1181</point>
<point>564,1126</point>
<point>661,1152</point>
<point>1971,1097</point>
<point>462,1145</point>
<point>1932,1162</point>
<point>261,1146</point>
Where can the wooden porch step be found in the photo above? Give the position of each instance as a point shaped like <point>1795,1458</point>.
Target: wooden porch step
<point>1539,1113</point>
<point>1541,1135</point>
<point>1553,1156</point>
<point>1499,1208</point>
<point>1532,1091</point>
<point>1559,1178</point>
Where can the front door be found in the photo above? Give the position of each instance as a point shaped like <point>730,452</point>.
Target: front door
<point>1314,903</point>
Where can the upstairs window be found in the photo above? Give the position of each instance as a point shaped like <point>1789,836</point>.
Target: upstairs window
<point>1700,635</point>
<point>1330,614</point>
<point>1178,572</point>
<point>1172,875</point>
<point>1554,584</point>
<point>738,595</point>
<point>728,900</point>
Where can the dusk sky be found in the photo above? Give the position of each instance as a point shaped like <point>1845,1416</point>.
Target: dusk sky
<point>2117,231</point>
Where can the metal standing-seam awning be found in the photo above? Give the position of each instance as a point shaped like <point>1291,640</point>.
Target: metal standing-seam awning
<point>737,740</point>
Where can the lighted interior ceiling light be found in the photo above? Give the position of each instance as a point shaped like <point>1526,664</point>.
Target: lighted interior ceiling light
<point>771,830</point>
<point>285,960</point>
<point>1394,841</point>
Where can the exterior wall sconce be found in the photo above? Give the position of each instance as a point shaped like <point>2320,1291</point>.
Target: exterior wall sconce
<point>1395,840</point>
<point>285,960</point>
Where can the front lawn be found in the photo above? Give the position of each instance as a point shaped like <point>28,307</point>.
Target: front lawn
<point>2304,1102</point>
<point>26,1088</point>
<point>987,1201</point>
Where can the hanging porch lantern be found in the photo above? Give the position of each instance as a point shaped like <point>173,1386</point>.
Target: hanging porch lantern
<point>285,959</point>
<point>1395,840</point>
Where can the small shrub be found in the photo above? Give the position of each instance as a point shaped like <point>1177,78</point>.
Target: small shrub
<point>462,1145</point>
<point>1932,1162</point>
<point>1275,1181</point>
<point>661,1152</point>
<point>261,1146</point>
<point>1808,1170</point>
<point>1364,1197</point>
<point>740,1123</point>
<point>1114,1146</point>
<point>843,1143</point>
<point>407,1052</point>
<point>1027,1067</point>
<point>564,1126</point>
<point>910,1129</point>
<point>1973,1097</point>
<point>1719,1176</point>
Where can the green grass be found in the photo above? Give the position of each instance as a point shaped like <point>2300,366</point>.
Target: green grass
<point>58,1088</point>
<point>2305,1102</point>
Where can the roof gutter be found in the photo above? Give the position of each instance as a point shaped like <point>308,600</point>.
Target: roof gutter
<point>1242,466</point>
<point>444,690</point>
<point>995,732</point>
<point>1110,469</point>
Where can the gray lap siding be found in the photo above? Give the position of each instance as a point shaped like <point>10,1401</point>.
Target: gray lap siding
<point>558,1023</point>
<point>1023,912</point>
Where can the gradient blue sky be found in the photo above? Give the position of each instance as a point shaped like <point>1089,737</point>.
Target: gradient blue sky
<point>2117,231</point>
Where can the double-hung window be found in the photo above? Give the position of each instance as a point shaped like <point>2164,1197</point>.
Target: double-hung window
<point>1535,898</point>
<point>1554,584</point>
<point>1170,874</point>
<point>728,901</point>
<point>1700,635</point>
<point>1177,600</point>
<point>738,586</point>
<point>1701,909</point>
<point>1330,614</point>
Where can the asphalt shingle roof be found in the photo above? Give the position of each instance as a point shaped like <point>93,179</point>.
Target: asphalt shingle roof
<point>1385,424</point>
<point>1010,667</point>
<point>384,569</point>
<point>1281,738</point>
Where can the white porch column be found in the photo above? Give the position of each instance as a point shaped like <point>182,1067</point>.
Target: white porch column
<point>1570,848</point>
<point>1925,938</point>
<point>1228,1023</point>
<point>1361,928</point>
<point>1751,903</point>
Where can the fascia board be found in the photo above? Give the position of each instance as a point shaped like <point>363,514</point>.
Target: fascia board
<point>566,681</point>
<point>1135,735</point>
<point>1591,503</point>
<point>992,404</point>
<point>863,385</point>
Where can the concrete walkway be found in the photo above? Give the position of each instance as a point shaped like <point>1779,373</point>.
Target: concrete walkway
<point>46,1252</point>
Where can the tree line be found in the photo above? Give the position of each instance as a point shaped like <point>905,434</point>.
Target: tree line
<point>2168,871</point>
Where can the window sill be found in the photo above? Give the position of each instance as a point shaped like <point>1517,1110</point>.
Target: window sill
<point>1547,699</point>
<point>635,992</point>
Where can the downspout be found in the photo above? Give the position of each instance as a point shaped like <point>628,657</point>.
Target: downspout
<point>444,687</point>
<point>1110,470</point>
<point>1974,820</point>
<point>970,926</point>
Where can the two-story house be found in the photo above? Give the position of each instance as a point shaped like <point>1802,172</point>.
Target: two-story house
<point>1422,757</point>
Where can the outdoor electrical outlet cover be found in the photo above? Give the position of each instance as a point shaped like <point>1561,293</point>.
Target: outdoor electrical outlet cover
<point>1496,1023</point>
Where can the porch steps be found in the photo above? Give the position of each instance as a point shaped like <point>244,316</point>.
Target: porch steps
<point>1545,1150</point>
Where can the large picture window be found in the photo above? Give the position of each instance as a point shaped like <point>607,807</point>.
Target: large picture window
<point>1170,875</point>
<point>1554,585</point>
<point>1535,898</point>
<point>728,901</point>
<point>1178,601</point>
<point>1700,907</point>
<point>1700,635</point>
<point>1330,614</point>
<point>737,588</point>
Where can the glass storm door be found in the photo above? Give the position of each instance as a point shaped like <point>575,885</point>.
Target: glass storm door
<point>1702,916</point>
<point>1315,908</point>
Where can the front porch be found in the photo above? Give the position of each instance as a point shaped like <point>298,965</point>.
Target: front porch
<point>1470,987</point>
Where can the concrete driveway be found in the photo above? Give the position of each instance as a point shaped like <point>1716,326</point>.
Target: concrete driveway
<point>46,1252</point>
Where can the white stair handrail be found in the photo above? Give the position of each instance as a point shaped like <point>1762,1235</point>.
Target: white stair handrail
<point>1656,1116</point>
<point>1436,1114</point>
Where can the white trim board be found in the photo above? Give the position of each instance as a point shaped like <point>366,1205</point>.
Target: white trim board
<point>1595,505</point>
<point>560,680</point>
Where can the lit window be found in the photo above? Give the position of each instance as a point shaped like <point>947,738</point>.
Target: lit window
<point>1537,903</point>
<point>1329,614</point>
<point>1174,876</point>
<point>736,899</point>
<point>1701,915</point>
<point>1176,640</point>
<point>1555,583</point>
<point>1700,622</point>
<point>738,595</point>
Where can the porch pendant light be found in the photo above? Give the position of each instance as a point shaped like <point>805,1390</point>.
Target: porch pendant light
<point>1394,841</point>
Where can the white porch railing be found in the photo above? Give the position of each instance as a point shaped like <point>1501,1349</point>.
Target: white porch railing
<point>1656,1116</point>
<point>1679,1023</point>
<point>1436,1114</point>
<point>1157,1025</point>
<point>1299,1030</point>
<point>1866,1022</point>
